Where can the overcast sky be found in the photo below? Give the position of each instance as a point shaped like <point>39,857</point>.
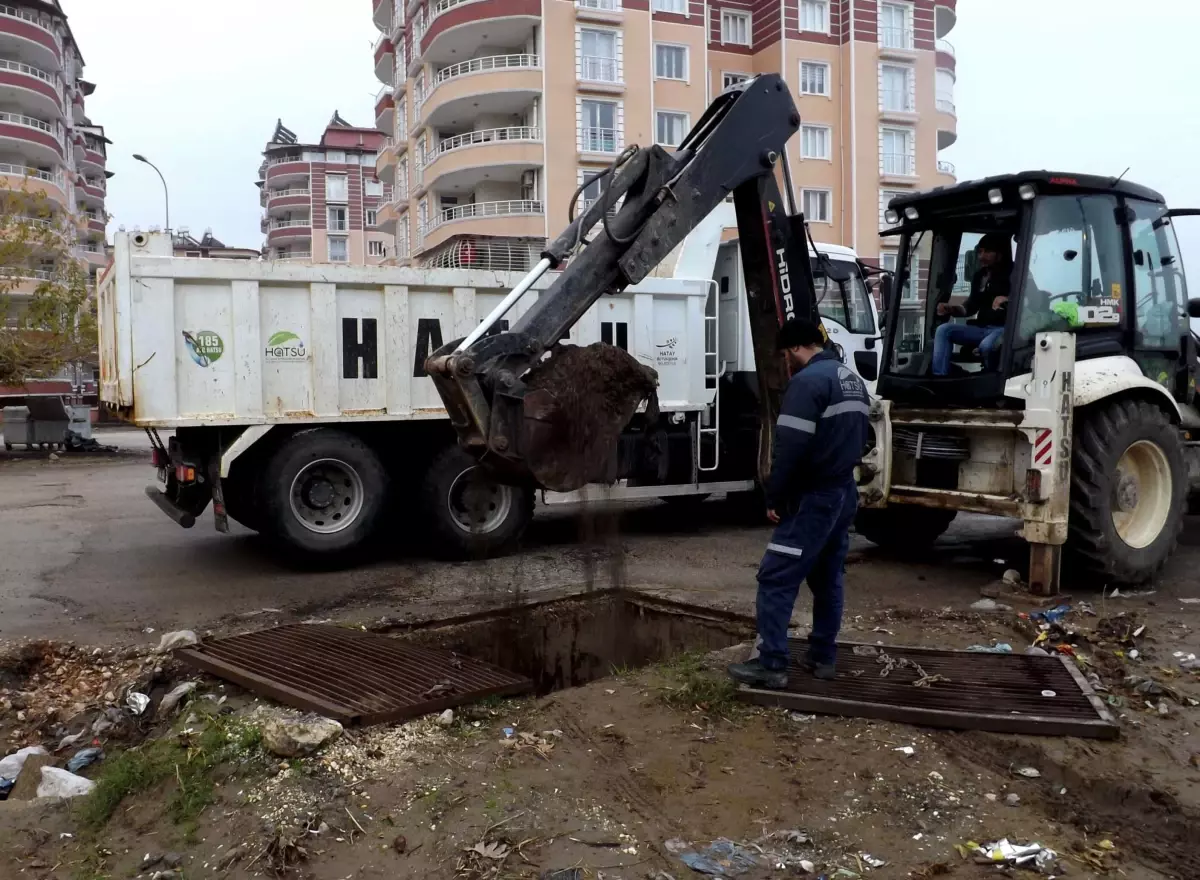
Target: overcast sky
<point>1072,85</point>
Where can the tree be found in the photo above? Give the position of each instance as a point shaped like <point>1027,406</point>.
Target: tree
<point>45,300</point>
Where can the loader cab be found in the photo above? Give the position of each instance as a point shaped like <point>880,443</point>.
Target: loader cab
<point>847,309</point>
<point>1094,256</point>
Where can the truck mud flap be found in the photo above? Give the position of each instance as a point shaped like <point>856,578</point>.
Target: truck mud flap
<point>170,508</point>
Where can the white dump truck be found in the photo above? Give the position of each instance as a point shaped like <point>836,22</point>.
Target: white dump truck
<point>298,404</point>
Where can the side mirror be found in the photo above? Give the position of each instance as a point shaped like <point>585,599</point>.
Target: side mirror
<point>1193,308</point>
<point>885,291</point>
<point>836,271</point>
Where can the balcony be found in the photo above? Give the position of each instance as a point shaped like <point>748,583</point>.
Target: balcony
<point>897,43</point>
<point>602,141</point>
<point>287,199</point>
<point>385,110</point>
<point>36,138</point>
<point>388,218</point>
<point>33,180</point>
<point>947,122</point>
<point>605,11</point>
<point>945,167</point>
<point>94,253</point>
<point>456,29</point>
<point>494,253</point>
<point>599,74</point>
<point>523,218</point>
<point>37,34</point>
<point>898,168</point>
<point>91,190</point>
<point>381,14</point>
<point>92,160</point>
<point>287,230</point>
<point>500,85</point>
<point>497,154</point>
<point>284,169</point>
<point>945,17</point>
<point>385,162</point>
<point>385,59</point>
<point>31,88</point>
<point>291,255</point>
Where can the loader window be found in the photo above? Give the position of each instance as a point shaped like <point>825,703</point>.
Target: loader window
<point>1076,267</point>
<point>1158,283</point>
<point>847,304</point>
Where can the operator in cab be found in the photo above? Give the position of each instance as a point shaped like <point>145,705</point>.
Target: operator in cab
<point>988,303</point>
<point>812,498</point>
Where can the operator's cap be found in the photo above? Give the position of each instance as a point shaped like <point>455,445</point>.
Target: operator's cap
<point>797,333</point>
<point>996,242</point>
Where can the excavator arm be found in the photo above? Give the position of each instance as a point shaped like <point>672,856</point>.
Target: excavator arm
<point>509,406</point>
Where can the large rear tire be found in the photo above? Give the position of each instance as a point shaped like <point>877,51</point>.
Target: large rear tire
<point>324,492</point>
<point>1128,491</point>
<point>902,527</point>
<point>470,515</point>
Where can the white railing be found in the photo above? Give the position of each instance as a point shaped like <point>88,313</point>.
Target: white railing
<point>29,122</point>
<point>602,5</point>
<point>18,272</point>
<point>446,6</point>
<point>521,207</point>
<point>945,105</point>
<point>94,184</point>
<point>478,65</point>
<point>89,248</point>
<point>388,143</point>
<point>486,136</point>
<point>945,167</point>
<point>895,101</point>
<point>896,38</point>
<point>19,67</point>
<point>288,224</point>
<point>495,254</point>
<point>294,255</point>
<point>41,21</point>
<point>598,140</point>
<point>898,164</point>
<point>284,160</point>
<point>26,171</point>
<point>282,193</point>
<point>945,46</point>
<point>598,69</point>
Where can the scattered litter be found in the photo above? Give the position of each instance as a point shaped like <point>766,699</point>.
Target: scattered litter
<point>1002,852</point>
<point>1085,608</point>
<point>790,835</point>
<point>508,732</point>
<point>991,797</point>
<point>676,845</point>
<point>880,629</point>
<point>1035,651</point>
<point>935,776</point>
<point>172,700</point>
<point>137,703</point>
<point>446,718</point>
<point>1191,601</point>
<point>721,858</point>
<point>1029,772</point>
<point>866,651</point>
<point>1012,577</point>
<point>495,851</point>
<point>57,783</point>
<point>1163,708</point>
<point>182,638</point>
<point>1148,687</point>
<point>1000,562</point>
<point>83,758</point>
<point>872,860</point>
<point>1117,594</point>
<point>989,605</point>
<point>807,867</point>
<point>907,751</point>
<point>10,765</point>
<point>1053,615</point>
<point>1012,799</point>
<point>1000,648</point>
<point>1187,661</point>
<point>70,740</point>
<point>801,719</point>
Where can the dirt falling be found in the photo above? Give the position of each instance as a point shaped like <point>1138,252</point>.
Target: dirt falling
<point>586,396</point>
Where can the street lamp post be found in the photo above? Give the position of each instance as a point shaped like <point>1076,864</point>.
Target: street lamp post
<point>166,194</point>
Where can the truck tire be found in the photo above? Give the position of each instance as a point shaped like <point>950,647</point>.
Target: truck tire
<point>1128,491</point>
<point>324,492</point>
<point>902,528</point>
<point>469,515</point>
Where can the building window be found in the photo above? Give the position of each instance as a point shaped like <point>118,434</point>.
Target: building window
<point>598,55</point>
<point>592,192</point>
<point>367,160</point>
<point>896,151</point>
<point>598,126</point>
<point>337,220</point>
<point>895,88</point>
<point>887,261</point>
<point>814,16</point>
<point>373,188</point>
<point>339,251</point>
<point>679,7</point>
<point>376,249</point>
<point>372,217</point>
<point>732,79</point>
<point>816,205</point>
<point>895,30</point>
<point>814,78</point>
<point>885,197</point>
<point>335,157</point>
<point>735,27</point>
<point>944,90</point>
<point>671,128</point>
<point>814,142</point>
<point>670,62</point>
<point>335,188</point>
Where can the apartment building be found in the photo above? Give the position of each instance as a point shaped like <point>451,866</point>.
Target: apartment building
<point>209,246</point>
<point>48,145</point>
<point>321,201</point>
<point>496,110</point>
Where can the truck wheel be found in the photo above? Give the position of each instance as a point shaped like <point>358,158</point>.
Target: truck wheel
<point>471,515</point>
<point>324,492</point>
<point>902,527</point>
<point>1128,491</point>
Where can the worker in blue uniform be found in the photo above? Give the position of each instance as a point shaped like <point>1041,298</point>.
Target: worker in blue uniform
<point>820,437</point>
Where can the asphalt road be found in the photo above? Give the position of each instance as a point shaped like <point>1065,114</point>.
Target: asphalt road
<point>85,556</point>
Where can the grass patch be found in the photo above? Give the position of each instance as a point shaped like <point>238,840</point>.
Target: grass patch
<point>696,685</point>
<point>189,759</point>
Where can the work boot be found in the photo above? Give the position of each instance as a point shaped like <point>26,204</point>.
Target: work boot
<point>823,671</point>
<point>754,674</point>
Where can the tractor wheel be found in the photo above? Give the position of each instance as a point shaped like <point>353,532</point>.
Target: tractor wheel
<point>902,527</point>
<point>1128,491</point>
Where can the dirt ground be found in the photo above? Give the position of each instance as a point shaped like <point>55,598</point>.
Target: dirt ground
<point>609,779</point>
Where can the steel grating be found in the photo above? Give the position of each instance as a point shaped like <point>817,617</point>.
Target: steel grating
<point>352,676</point>
<point>997,692</point>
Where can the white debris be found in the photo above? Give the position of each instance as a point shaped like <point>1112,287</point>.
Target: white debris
<point>1012,577</point>
<point>10,765</point>
<point>58,783</point>
<point>179,639</point>
<point>446,718</point>
<point>907,751</point>
<point>172,700</point>
<point>1029,772</point>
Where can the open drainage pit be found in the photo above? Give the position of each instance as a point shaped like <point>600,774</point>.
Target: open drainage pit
<point>570,642</point>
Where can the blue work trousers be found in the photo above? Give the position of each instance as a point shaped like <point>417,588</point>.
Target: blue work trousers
<point>948,335</point>
<point>811,544</point>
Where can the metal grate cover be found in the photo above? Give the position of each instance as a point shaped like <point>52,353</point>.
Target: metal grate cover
<point>996,692</point>
<point>352,676</point>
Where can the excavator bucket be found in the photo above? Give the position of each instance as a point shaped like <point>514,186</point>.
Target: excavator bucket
<point>577,403</point>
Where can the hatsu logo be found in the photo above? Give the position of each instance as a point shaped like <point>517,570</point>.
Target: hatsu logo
<point>785,284</point>
<point>665,354</point>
